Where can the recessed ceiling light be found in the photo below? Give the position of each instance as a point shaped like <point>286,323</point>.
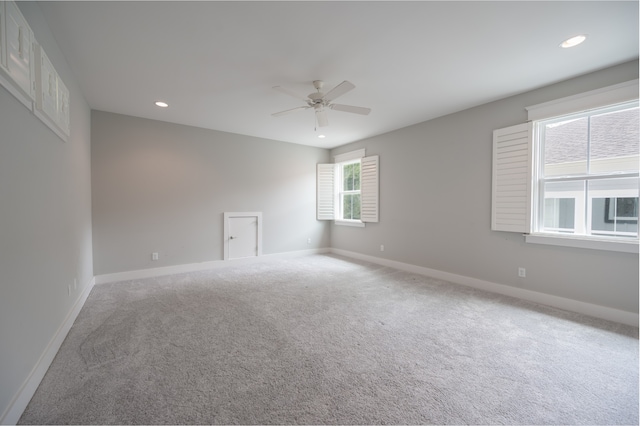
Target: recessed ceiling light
<point>321,136</point>
<point>573,41</point>
<point>161,104</point>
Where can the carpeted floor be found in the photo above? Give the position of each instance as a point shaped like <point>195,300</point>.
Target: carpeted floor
<point>325,340</point>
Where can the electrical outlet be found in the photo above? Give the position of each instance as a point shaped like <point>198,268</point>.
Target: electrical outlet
<point>308,240</point>
<point>154,256</point>
<point>522,273</point>
<point>381,247</point>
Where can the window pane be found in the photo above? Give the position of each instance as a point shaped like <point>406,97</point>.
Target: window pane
<point>562,210</point>
<point>615,140</point>
<point>351,177</point>
<point>614,207</point>
<point>351,206</point>
<point>347,177</point>
<point>599,223</point>
<point>627,209</point>
<point>356,177</point>
<point>565,147</point>
<point>559,213</point>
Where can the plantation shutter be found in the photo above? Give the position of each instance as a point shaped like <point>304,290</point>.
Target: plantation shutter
<point>325,191</point>
<point>369,191</point>
<point>512,176</point>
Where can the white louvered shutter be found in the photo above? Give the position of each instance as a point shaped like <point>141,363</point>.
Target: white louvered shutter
<point>369,192</point>
<point>512,178</point>
<point>325,178</point>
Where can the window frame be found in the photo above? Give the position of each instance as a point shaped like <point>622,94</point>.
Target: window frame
<point>583,200</point>
<point>340,160</point>
<point>340,192</point>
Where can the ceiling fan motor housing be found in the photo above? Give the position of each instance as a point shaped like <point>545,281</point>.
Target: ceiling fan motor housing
<point>316,97</point>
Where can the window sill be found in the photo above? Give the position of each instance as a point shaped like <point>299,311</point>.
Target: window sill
<point>355,223</point>
<point>583,242</point>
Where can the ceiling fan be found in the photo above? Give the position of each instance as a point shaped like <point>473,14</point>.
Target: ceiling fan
<point>320,101</point>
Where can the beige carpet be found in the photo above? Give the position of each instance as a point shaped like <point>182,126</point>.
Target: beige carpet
<point>325,340</point>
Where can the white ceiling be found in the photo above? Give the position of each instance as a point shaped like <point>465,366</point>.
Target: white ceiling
<point>215,63</point>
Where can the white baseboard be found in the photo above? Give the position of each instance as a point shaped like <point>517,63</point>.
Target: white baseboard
<point>603,312</point>
<point>23,396</point>
<point>193,267</point>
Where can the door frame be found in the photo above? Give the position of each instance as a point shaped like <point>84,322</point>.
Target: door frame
<point>230,215</point>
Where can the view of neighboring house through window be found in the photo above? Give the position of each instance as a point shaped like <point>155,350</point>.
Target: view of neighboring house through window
<point>349,194</point>
<point>588,172</point>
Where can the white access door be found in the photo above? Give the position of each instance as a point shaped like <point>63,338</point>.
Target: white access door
<point>242,235</point>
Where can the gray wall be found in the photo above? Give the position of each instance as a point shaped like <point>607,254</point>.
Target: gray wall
<point>435,206</point>
<point>162,187</point>
<point>45,222</point>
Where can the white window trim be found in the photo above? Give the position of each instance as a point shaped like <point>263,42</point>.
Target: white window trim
<point>355,223</point>
<point>619,93</point>
<point>347,156</point>
<point>610,95</point>
<point>592,242</point>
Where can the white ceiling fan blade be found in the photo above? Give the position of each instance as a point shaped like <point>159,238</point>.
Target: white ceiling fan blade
<point>339,90</point>
<point>349,108</point>
<point>321,116</point>
<point>290,93</point>
<point>281,113</point>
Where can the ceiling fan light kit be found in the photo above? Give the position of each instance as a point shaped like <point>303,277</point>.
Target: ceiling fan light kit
<point>320,101</point>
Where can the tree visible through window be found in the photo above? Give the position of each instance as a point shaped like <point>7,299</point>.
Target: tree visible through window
<point>350,191</point>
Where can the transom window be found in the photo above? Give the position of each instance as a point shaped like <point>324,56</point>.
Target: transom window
<point>587,173</point>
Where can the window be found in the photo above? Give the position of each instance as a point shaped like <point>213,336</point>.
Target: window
<point>570,175</point>
<point>348,189</point>
<point>349,193</point>
<point>588,173</point>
